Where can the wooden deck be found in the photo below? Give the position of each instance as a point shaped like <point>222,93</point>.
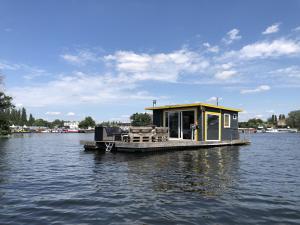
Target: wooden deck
<point>119,146</point>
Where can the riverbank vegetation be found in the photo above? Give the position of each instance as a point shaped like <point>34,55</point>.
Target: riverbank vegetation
<point>87,123</point>
<point>5,104</point>
<point>140,119</point>
<point>291,121</point>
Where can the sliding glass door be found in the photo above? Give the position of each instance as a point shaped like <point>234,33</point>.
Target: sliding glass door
<point>179,123</point>
<point>188,119</point>
<point>174,124</point>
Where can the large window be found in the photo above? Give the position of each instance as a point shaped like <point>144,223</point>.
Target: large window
<point>227,120</point>
<point>166,119</point>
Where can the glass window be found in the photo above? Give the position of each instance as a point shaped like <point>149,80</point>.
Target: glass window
<point>188,119</point>
<point>166,119</point>
<point>226,120</point>
<point>213,128</point>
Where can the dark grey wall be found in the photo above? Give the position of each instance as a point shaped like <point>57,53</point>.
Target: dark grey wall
<point>158,117</point>
<point>232,132</point>
<point>227,133</point>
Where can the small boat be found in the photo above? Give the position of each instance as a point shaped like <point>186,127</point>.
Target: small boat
<point>271,130</point>
<point>287,130</point>
<point>71,131</point>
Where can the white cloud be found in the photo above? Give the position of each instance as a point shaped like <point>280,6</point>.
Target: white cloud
<point>227,66</point>
<point>28,72</point>
<point>214,99</point>
<point>4,65</point>
<point>270,111</point>
<point>81,58</point>
<point>32,73</point>
<point>79,88</point>
<point>71,114</point>
<point>272,29</point>
<point>279,47</point>
<point>291,71</point>
<point>53,113</point>
<point>232,36</point>
<point>160,67</point>
<point>296,29</point>
<point>213,49</point>
<point>226,74</point>
<point>260,88</point>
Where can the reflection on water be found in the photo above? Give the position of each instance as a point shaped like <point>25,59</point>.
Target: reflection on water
<point>206,171</point>
<point>49,179</point>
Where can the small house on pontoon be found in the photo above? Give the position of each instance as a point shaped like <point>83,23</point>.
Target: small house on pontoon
<point>198,121</point>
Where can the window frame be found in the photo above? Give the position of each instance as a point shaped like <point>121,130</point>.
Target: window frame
<point>229,120</point>
<point>234,116</point>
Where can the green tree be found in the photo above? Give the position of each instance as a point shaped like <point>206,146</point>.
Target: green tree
<point>87,122</point>
<point>41,123</point>
<point>252,123</point>
<point>57,123</point>
<point>31,120</point>
<point>110,123</point>
<point>23,117</point>
<point>293,119</point>
<point>5,106</point>
<point>140,119</point>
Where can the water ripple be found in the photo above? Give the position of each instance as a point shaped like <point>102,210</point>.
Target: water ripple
<point>48,179</point>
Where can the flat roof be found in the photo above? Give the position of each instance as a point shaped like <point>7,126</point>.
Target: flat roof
<point>193,105</point>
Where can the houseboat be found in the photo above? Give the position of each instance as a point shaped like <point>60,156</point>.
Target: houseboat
<point>198,121</point>
<point>175,127</point>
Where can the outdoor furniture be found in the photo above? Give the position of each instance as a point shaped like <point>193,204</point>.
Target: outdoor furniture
<point>140,134</point>
<point>160,134</point>
<point>103,133</point>
<point>134,134</point>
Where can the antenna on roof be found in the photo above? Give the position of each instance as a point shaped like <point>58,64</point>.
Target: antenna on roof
<point>217,101</point>
<point>154,103</point>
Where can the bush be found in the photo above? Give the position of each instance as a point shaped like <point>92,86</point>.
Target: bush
<point>140,119</point>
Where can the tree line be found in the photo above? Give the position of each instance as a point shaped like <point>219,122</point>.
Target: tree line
<point>19,117</point>
<point>292,121</point>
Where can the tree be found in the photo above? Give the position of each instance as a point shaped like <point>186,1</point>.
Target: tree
<point>87,122</point>
<point>31,120</point>
<point>5,106</point>
<point>23,117</point>
<point>293,119</point>
<point>57,123</point>
<point>41,123</point>
<point>110,123</point>
<point>251,123</point>
<point>140,119</point>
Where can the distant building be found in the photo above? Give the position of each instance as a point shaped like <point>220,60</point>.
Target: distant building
<point>281,121</point>
<point>73,125</point>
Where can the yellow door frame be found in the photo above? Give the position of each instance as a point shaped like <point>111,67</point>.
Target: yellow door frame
<point>220,130</point>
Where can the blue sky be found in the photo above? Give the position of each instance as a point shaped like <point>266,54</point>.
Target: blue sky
<point>109,59</point>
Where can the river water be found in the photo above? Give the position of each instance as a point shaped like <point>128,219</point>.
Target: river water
<point>49,179</point>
